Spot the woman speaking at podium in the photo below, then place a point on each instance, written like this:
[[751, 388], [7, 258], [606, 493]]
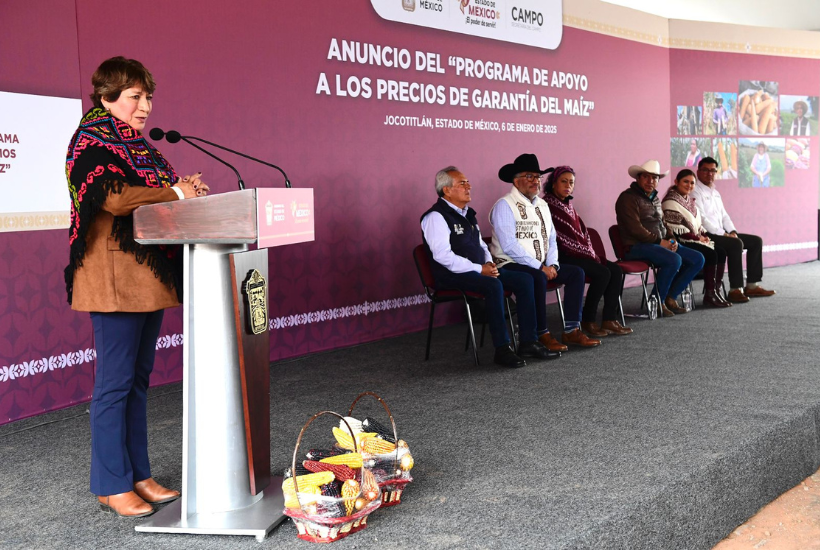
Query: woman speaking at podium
[[112, 170]]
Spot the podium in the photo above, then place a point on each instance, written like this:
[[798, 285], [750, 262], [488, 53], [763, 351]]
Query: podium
[[227, 487]]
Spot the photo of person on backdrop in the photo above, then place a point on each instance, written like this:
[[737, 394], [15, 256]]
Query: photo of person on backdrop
[[761, 166], [694, 155], [718, 113], [689, 120], [758, 111], [761, 162], [688, 151], [798, 115]]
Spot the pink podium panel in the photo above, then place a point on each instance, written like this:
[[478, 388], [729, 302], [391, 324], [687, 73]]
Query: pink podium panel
[[284, 216]]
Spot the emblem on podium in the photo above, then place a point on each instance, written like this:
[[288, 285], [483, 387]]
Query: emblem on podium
[[256, 292]]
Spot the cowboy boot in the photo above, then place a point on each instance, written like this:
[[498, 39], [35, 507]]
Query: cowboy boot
[[721, 268], [709, 282]]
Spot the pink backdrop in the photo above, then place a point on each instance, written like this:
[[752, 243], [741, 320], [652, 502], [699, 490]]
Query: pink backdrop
[[246, 76]]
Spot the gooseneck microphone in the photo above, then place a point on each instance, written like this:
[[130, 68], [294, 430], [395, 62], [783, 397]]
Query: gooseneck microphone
[[173, 136]]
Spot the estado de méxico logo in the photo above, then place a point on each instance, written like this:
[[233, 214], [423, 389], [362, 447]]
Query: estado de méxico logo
[[483, 9]]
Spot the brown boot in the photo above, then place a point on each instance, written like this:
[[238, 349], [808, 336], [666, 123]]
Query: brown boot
[[153, 492], [616, 328], [551, 343], [711, 296], [126, 505], [578, 338], [594, 330]]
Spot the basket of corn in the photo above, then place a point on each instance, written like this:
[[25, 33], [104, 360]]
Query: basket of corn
[[384, 454], [330, 494]]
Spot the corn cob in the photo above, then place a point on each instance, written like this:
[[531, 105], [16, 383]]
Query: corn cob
[[332, 508], [370, 487], [345, 441], [342, 472], [306, 496], [355, 424], [319, 454], [307, 481], [373, 426], [406, 463], [350, 490], [377, 446], [300, 471], [354, 460]]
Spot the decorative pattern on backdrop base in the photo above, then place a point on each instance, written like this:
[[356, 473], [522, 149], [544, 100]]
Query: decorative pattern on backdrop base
[[70, 359]]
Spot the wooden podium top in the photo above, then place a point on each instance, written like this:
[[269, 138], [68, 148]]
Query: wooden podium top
[[225, 218]]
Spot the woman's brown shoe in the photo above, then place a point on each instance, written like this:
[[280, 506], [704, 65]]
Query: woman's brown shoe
[[126, 505], [153, 492], [672, 305], [594, 330], [616, 328]]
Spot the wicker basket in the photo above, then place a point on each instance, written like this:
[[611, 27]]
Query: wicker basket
[[312, 520], [394, 482]]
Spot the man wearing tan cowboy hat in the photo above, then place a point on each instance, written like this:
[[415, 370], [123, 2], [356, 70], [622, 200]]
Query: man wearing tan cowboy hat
[[524, 241], [640, 221]]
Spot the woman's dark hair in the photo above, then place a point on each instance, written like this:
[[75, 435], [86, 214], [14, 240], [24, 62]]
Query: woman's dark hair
[[685, 172], [117, 74]]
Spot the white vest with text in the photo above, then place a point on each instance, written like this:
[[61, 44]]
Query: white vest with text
[[531, 230]]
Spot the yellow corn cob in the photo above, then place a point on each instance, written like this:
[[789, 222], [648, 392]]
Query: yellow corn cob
[[377, 446], [350, 490], [308, 495], [354, 460], [346, 442], [307, 481], [370, 487]]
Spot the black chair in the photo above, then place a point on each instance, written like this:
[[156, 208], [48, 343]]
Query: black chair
[[443, 295]]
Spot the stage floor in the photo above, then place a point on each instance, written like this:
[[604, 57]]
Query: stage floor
[[665, 439]]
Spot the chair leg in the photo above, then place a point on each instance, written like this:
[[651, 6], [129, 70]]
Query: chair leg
[[430, 330], [472, 333], [620, 301], [512, 328], [560, 307]]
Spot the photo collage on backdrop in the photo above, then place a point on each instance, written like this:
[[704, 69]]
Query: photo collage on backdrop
[[756, 134]]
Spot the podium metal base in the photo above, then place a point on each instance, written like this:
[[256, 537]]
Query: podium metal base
[[256, 520]]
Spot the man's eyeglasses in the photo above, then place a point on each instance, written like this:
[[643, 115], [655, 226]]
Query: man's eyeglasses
[[532, 177]]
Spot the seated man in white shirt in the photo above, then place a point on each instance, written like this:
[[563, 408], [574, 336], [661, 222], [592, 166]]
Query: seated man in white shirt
[[722, 231], [524, 241], [461, 260]]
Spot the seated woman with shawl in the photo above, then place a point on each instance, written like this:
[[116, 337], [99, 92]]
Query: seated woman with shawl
[[683, 219]]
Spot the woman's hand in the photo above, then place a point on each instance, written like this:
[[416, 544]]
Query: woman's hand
[[192, 186]]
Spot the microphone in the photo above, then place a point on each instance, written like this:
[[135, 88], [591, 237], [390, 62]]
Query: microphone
[[172, 136]]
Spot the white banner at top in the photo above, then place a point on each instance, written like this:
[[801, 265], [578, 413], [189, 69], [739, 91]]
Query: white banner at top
[[536, 23]]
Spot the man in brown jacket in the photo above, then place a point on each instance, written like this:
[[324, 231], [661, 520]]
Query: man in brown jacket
[[640, 221]]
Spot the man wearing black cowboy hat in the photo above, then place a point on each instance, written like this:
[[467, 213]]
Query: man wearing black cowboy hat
[[524, 241], [461, 260]]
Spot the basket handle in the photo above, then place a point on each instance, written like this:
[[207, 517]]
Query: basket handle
[[389, 414], [299, 442]]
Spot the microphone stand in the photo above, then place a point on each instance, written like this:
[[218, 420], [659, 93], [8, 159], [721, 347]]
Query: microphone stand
[[186, 138], [238, 177]]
